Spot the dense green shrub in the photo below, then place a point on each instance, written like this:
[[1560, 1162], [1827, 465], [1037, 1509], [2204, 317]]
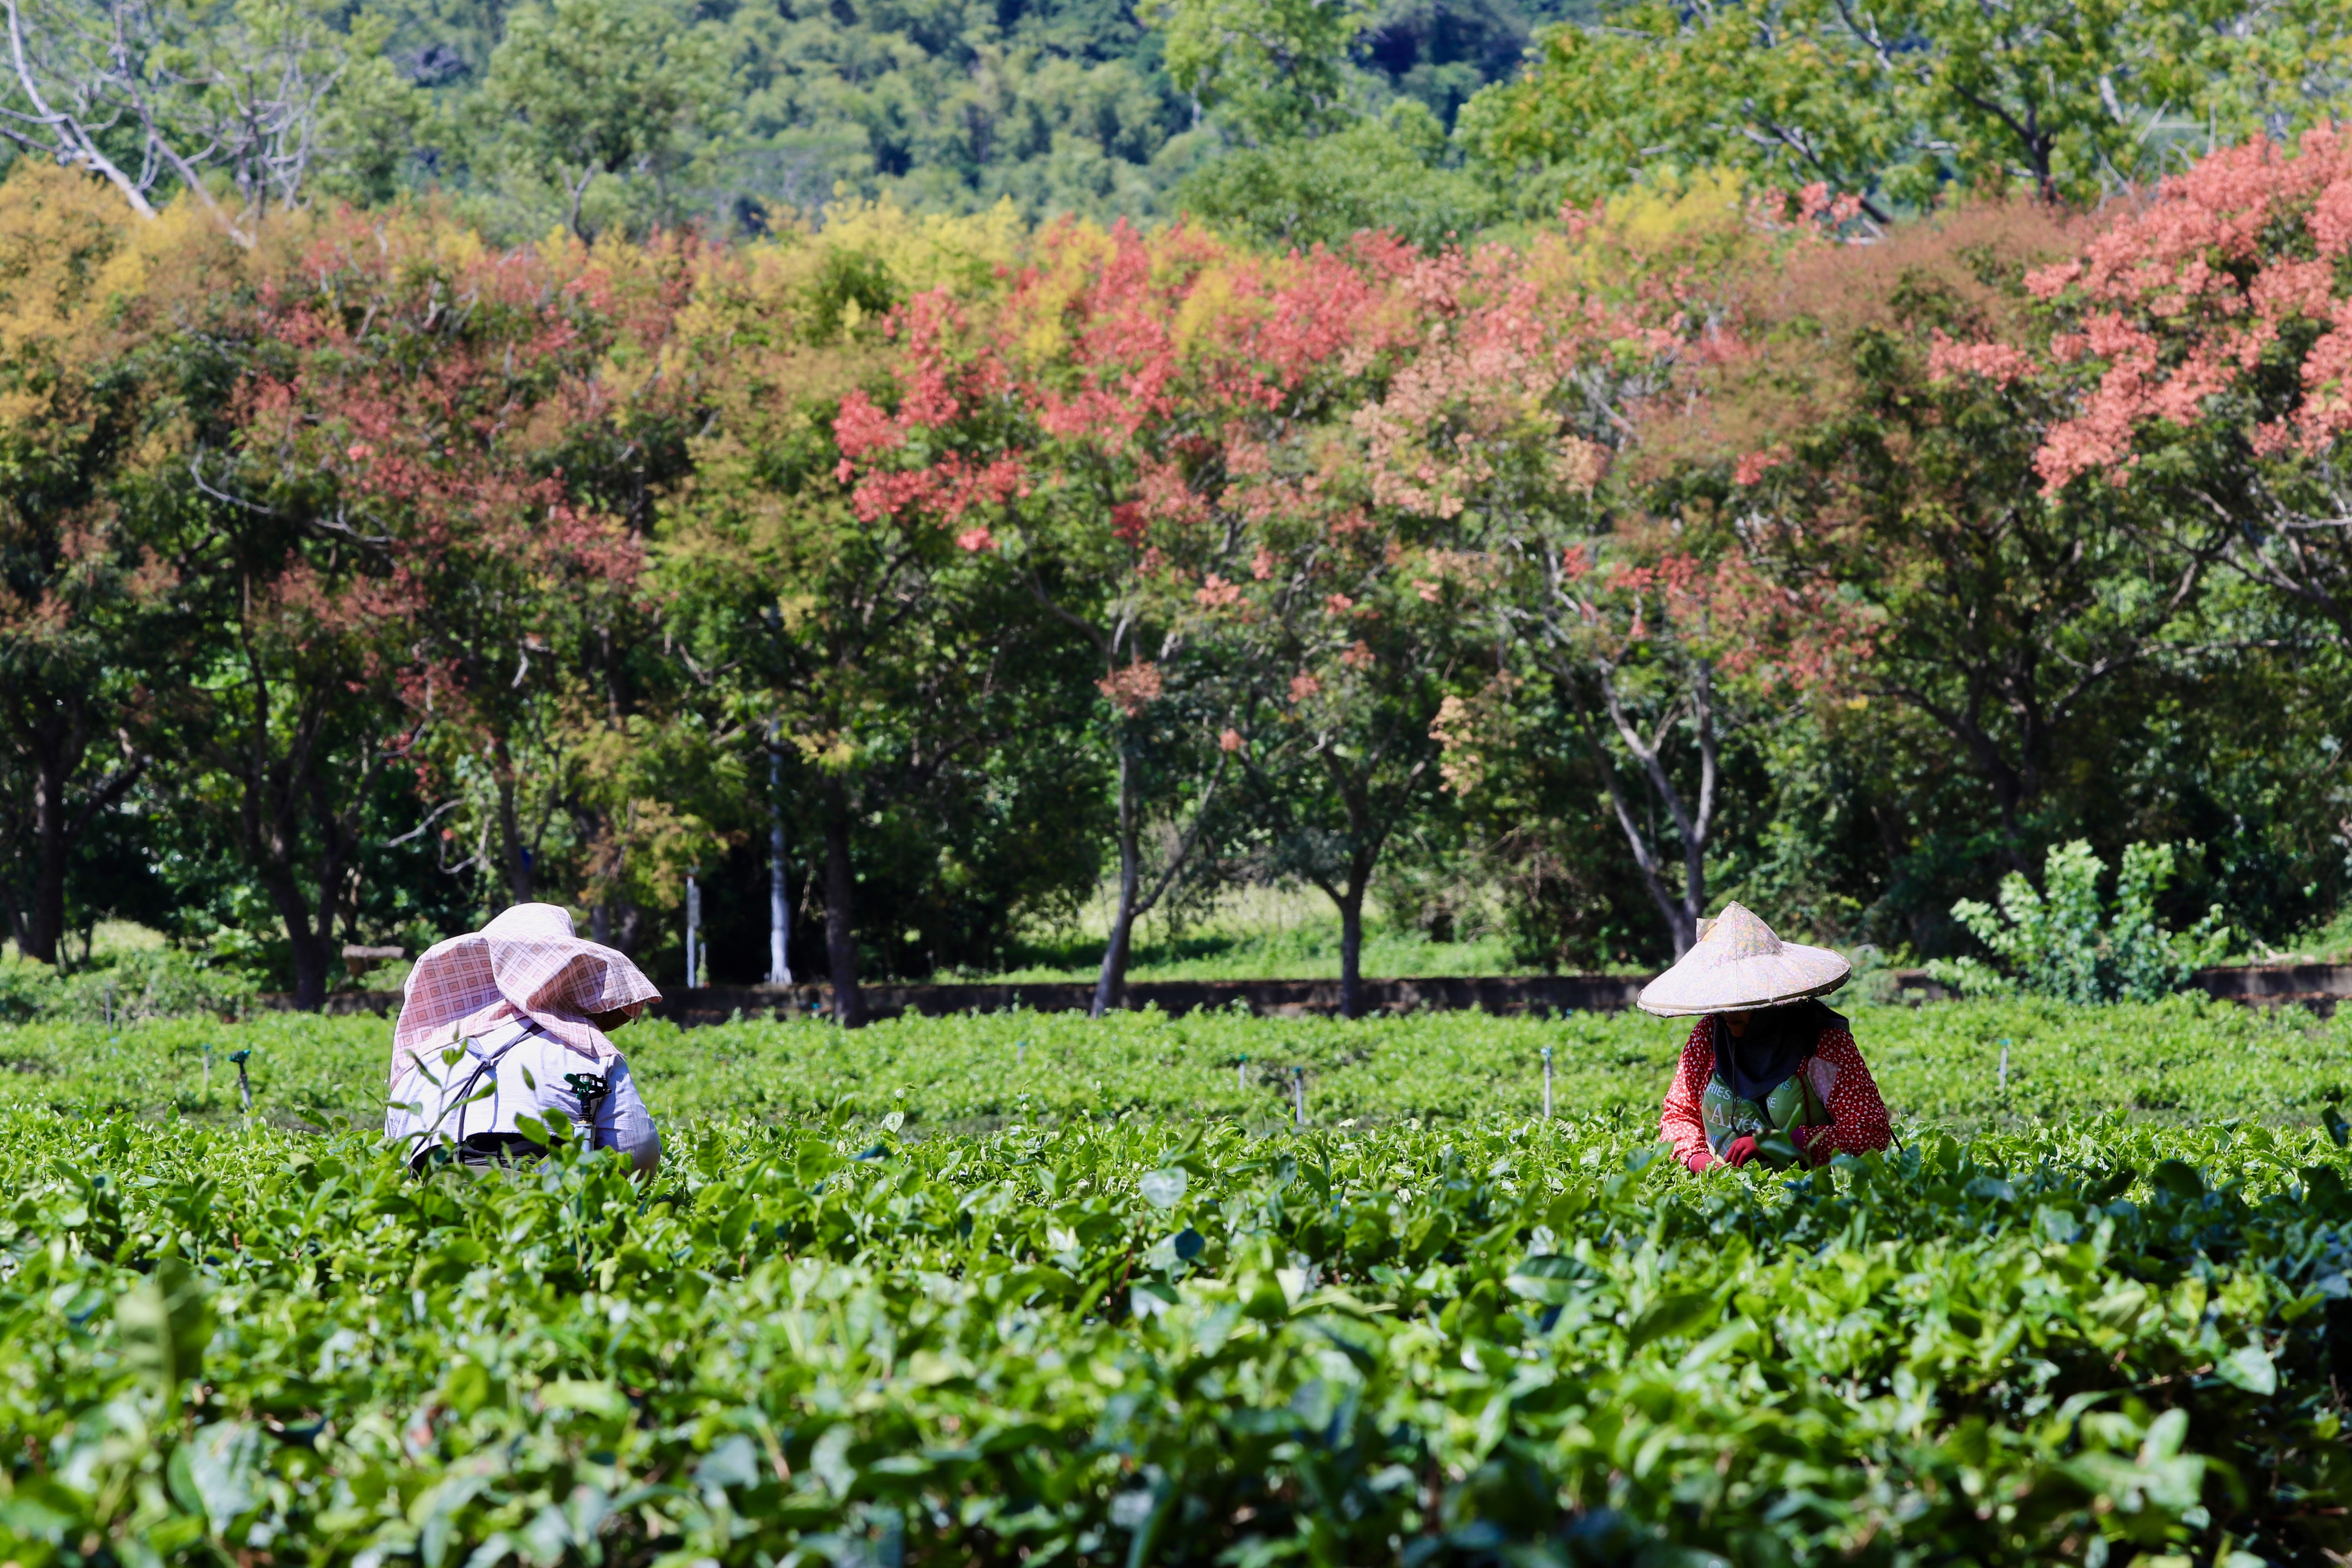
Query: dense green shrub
[[1025, 1287], [155, 982], [1486, 1342], [2185, 1059], [26, 989], [2061, 941], [134, 987]]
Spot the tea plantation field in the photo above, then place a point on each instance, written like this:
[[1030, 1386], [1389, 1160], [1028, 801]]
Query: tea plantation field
[[1028, 1289], [2186, 1059]]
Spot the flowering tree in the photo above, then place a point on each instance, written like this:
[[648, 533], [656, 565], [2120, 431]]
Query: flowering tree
[[1658, 644], [1871, 437], [836, 560], [1318, 476], [97, 630], [525, 463], [1155, 431], [1340, 670], [1503, 426], [1337, 661], [1118, 404], [417, 577], [2203, 346]]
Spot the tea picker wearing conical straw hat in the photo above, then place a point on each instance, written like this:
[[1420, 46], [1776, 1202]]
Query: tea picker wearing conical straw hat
[[1769, 1072], [502, 1029]]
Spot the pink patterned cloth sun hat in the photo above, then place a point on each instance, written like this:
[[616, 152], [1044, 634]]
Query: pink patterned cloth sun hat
[[527, 963], [1737, 964]]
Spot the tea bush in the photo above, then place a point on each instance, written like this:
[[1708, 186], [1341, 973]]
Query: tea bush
[[2187, 1058], [1480, 1343], [1132, 1318], [124, 987]]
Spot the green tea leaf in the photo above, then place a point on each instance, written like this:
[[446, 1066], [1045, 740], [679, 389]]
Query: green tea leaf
[[165, 1322], [1675, 1312], [1164, 1188], [2251, 1368]]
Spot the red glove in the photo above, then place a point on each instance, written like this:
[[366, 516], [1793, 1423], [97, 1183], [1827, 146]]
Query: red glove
[[1741, 1150], [1701, 1161]]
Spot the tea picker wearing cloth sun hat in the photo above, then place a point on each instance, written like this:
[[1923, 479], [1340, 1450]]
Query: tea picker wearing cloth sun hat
[[1768, 1071], [512, 1021]]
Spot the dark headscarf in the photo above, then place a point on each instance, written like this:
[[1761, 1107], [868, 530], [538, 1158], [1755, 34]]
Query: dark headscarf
[[1776, 1043]]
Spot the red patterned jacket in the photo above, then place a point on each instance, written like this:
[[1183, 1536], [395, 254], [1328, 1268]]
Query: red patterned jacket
[[1857, 1115]]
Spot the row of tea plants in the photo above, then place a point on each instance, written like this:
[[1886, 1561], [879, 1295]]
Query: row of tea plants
[[1137, 1340], [1962, 1064]]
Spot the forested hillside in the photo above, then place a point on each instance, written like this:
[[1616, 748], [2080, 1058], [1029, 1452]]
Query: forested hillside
[[1285, 121], [741, 116]]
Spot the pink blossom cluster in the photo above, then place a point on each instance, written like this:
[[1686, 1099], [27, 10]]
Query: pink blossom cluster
[[2176, 309], [2002, 364]]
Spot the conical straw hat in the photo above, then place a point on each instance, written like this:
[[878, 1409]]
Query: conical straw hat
[[1737, 964]]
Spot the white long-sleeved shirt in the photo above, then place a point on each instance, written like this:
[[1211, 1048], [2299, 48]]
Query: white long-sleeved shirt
[[512, 1069]]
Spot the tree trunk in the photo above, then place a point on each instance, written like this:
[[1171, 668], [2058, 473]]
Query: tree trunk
[[1351, 949], [518, 859], [313, 961], [1110, 986], [313, 957], [780, 907], [840, 933], [1693, 821], [280, 791], [1367, 832], [58, 740], [45, 922], [309, 929]]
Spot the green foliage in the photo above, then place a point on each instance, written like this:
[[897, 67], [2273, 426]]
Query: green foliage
[[2060, 941], [26, 988], [2183, 1059], [1174, 1345], [1275, 70], [1390, 173], [581, 90], [238, 105], [155, 982], [687, 406], [1898, 103], [127, 988], [875, 648], [1057, 106], [833, 1326], [371, 122], [1288, 939]]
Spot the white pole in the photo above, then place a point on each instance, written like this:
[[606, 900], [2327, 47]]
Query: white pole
[[693, 932], [779, 965], [1547, 1054]]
